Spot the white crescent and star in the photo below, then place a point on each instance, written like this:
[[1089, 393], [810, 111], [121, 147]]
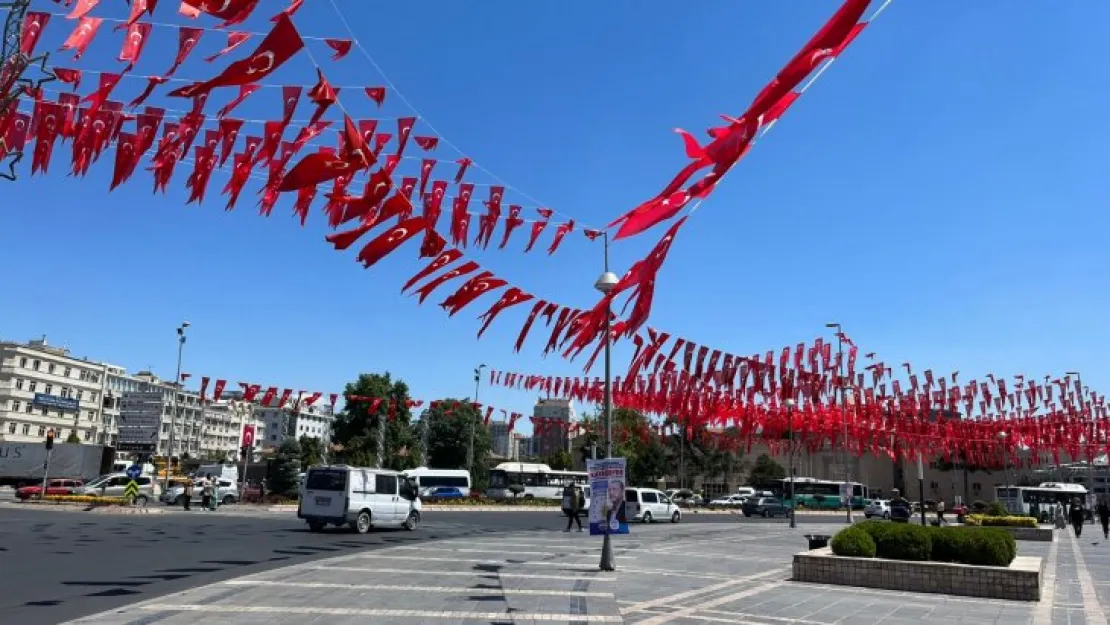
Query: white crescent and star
[[266, 57]]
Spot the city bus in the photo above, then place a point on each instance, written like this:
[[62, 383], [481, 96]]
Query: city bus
[[429, 478], [1039, 500], [539, 480], [814, 493]]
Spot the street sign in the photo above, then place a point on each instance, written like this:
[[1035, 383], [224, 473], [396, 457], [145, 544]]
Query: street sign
[[140, 420], [134, 471], [132, 490]]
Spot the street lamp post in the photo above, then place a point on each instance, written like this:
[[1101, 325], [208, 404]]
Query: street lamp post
[[605, 284], [843, 419], [173, 415], [1091, 460], [473, 424], [790, 428]]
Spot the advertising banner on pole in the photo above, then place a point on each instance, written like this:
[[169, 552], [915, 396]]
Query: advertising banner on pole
[[608, 510]]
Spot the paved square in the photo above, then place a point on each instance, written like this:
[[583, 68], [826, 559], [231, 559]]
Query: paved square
[[733, 572]]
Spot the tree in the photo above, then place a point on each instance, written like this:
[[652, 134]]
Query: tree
[[311, 451], [632, 440], [559, 461], [283, 478], [356, 428], [73, 438], [766, 471], [447, 425]]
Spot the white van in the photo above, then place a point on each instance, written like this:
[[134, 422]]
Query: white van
[[651, 505], [359, 497]]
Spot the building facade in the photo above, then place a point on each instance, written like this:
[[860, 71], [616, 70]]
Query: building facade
[[500, 439], [295, 420], [43, 387], [554, 439]]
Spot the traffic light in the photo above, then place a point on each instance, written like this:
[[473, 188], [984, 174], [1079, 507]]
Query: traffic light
[[50, 439]]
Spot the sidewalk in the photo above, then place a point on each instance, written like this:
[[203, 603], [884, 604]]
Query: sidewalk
[[682, 574]]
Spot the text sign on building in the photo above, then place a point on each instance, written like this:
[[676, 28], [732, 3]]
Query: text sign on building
[[59, 403], [140, 420]]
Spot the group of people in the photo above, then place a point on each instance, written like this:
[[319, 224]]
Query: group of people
[[209, 492], [1076, 514]]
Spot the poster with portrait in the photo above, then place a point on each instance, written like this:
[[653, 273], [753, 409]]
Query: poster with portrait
[[609, 513]]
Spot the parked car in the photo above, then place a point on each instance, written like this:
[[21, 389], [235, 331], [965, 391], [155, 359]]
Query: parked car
[[764, 507], [877, 508], [114, 485], [53, 487], [685, 497], [442, 492], [651, 505], [731, 501]]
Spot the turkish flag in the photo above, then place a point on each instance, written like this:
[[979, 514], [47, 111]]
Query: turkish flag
[[278, 47], [82, 35], [512, 297], [390, 240], [134, 43], [472, 290], [187, 39], [33, 25]]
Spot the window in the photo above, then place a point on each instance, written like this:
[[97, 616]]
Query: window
[[92, 395], [385, 484], [11, 427], [18, 384], [326, 479], [649, 497], [23, 363], [48, 389], [90, 415], [33, 386], [79, 394], [36, 364], [45, 412], [68, 372], [42, 430], [28, 408], [88, 434], [16, 405], [26, 429], [83, 375], [64, 393], [50, 368]]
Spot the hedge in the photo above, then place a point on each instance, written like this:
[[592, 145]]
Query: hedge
[[1000, 521], [983, 546], [854, 542]]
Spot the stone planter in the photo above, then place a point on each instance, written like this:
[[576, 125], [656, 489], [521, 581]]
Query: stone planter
[[1021, 581], [1038, 534]]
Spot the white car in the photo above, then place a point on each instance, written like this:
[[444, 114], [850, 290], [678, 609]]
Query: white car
[[877, 508], [651, 505], [732, 501], [361, 498]]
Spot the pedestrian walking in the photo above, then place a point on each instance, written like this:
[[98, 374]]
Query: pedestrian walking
[[1077, 517], [1103, 511], [572, 506], [187, 493], [1061, 521], [206, 492], [940, 512]]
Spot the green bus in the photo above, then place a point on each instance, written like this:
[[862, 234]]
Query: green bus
[[816, 494]]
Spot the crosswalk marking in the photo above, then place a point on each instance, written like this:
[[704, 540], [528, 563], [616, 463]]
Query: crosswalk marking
[[370, 612], [368, 569], [440, 589]]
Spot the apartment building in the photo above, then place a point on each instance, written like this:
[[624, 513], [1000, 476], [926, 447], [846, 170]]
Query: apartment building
[[44, 387]]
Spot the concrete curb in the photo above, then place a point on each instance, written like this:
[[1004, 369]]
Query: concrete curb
[[448, 508]]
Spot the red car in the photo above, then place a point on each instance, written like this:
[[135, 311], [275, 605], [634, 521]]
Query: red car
[[53, 487]]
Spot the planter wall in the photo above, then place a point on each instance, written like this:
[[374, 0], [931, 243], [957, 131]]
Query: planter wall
[[1020, 581], [1037, 534]]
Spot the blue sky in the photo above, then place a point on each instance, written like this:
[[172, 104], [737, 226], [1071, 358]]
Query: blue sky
[[941, 192]]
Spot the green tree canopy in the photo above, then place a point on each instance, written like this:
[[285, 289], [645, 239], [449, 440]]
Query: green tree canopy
[[283, 476], [646, 458], [766, 471], [356, 427], [449, 423], [559, 461], [311, 451]]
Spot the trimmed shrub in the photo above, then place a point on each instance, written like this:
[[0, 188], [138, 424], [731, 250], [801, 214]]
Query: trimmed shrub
[[979, 506], [1000, 521], [997, 509], [853, 542], [982, 546]]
